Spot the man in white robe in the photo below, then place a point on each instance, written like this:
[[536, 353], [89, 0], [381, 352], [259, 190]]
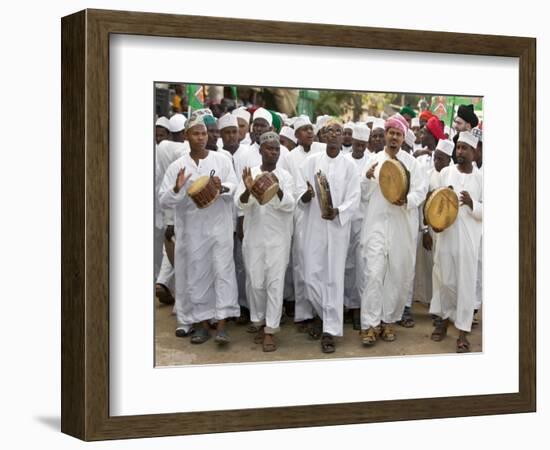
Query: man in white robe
[[206, 288], [426, 243], [229, 132], [377, 136], [243, 119], [266, 244], [388, 240], [355, 269], [457, 250], [478, 160], [348, 138], [305, 134], [166, 153], [326, 237]]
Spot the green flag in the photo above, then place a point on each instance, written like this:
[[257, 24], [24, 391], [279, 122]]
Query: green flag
[[195, 95]]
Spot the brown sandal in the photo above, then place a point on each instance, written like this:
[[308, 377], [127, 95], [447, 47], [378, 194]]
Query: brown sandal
[[269, 347], [440, 331], [462, 345], [259, 338], [163, 294]]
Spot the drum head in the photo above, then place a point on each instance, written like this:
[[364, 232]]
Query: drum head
[[269, 193], [394, 180], [441, 208], [198, 185]]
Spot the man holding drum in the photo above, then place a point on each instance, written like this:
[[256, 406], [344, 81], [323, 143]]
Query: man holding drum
[[325, 233], [389, 233], [456, 253], [206, 288], [266, 197]]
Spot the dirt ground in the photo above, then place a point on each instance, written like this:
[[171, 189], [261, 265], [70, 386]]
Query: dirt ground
[[295, 345]]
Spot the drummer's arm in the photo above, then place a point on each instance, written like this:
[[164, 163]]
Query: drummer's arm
[[286, 201]]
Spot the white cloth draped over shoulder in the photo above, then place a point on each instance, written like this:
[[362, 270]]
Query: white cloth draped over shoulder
[[388, 244], [266, 249], [456, 254], [206, 287], [325, 242]]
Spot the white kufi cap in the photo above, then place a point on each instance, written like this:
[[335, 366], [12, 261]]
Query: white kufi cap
[[262, 113], [468, 138], [361, 132], [177, 123], [227, 120], [446, 146]]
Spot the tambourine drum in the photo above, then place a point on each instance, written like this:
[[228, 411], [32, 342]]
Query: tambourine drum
[[394, 180], [322, 189], [441, 208], [265, 187], [203, 191]]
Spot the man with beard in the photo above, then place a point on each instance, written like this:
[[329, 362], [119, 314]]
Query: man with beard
[[388, 240], [326, 235], [458, 246], [266, 244], [465, 120], [206, 288]]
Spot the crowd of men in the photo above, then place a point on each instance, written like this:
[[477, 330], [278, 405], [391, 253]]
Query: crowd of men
[[363, 259]]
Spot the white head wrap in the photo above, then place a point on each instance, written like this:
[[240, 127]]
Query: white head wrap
[[415, 122]]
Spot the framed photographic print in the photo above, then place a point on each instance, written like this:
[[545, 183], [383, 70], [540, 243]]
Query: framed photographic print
[[129, 366]]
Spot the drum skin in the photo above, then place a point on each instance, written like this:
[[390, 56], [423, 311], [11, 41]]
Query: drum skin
[[394, 180], [441, 208]]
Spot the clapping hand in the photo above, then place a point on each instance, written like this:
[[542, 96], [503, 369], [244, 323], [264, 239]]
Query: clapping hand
[[181, 180]]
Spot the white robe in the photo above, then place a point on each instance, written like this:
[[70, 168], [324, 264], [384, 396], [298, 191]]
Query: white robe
[[266, 249], [388, 245], [206, 287], [165, 154], [325, 242], [479, 281], [292, 164], [424, 258], [354, 275], [456, 254]]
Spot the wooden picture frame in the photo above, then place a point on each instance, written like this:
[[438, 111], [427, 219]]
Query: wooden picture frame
[[85, 224]]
